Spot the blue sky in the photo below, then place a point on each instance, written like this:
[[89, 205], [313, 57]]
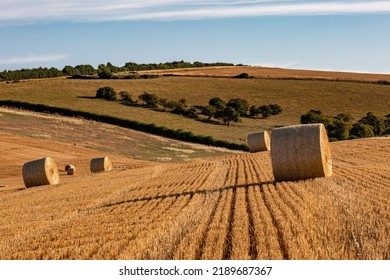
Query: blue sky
[[349, 35]]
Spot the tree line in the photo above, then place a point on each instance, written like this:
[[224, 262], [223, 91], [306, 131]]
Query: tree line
[[227, 112], [342, 127], [103, 70]]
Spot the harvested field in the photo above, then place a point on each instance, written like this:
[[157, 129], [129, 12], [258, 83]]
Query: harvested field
[[268, 72], [226, 207]]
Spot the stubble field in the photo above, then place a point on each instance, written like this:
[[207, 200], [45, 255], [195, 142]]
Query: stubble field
[[226, 207]]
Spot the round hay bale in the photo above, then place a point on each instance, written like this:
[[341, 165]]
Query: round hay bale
[[100, 164], [40, 172], [71, 170], [69, 166], [258, 142], [300, 152]]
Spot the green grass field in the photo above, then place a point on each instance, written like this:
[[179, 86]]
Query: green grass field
[[295, 96]]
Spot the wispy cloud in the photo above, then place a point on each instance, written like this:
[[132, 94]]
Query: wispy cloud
[[18, 11], [34, 58]]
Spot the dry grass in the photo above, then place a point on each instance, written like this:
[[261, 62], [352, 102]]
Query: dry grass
[[220, 208], [295, 96]]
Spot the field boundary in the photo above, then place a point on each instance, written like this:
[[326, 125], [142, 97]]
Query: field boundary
[[179, 134]]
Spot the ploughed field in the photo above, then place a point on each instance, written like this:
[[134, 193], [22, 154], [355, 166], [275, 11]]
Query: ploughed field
[[226, 207]]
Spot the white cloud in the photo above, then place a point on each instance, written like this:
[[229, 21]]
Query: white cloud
[[34, 58], [105, 10]]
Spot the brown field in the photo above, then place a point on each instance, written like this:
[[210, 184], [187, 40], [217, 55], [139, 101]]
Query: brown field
[[225, 207], [268, 72], [295, 96]]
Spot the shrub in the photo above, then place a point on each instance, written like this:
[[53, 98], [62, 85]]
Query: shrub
[[361, 130], [107, 93], [217, 103], [241, 106], [276, 109], [254, 111], [209, 111], [191, 113], [375, 122], [265, 111], [150, 100], [242, 76], [126, 97]]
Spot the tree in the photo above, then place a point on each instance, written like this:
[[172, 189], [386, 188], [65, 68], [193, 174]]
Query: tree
[[149, 99], [240, 105], [375, 122], [191, 113], [228, 115], [209, 111], [315, 116], [70, 71], [217, 103], [339, 129], [361, 130]]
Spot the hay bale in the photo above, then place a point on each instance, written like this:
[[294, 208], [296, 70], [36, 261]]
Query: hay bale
[[300, 152], [71, 170], [258, 142], [100, 164], [40, 172], [69, 166]]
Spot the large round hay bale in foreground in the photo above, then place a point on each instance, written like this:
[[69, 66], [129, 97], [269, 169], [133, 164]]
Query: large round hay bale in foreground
[[40, 172], [300, 152], [258, 142], [101, 164]]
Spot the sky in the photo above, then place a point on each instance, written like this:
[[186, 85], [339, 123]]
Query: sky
[[352, 35]]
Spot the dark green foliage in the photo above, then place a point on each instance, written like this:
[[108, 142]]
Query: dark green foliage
[[150, 100], [240, 105], [191, 113], [179, 109], [265, 111], [218, 103], [209, 111], [383, 82], [183, 102], [242, 76], [276, 109], [86, 69], [149, 128], [107, 93], [126, 98], [387, 121], [338, 129], [375, 122], [254, 111], [35, 73], [344, 117], [70, 71], [314, 116], [361, 130], [227, 115]]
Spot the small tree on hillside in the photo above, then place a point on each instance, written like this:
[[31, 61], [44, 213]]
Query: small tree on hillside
[[209, 111], [241, 106], [375, 122], [265, 111], [228, 115], [217, 103]]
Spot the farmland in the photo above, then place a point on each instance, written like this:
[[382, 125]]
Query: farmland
[[167, 199], [296, 97], [225, 207]]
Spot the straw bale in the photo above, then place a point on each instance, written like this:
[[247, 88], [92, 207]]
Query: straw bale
[[40, 172]]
